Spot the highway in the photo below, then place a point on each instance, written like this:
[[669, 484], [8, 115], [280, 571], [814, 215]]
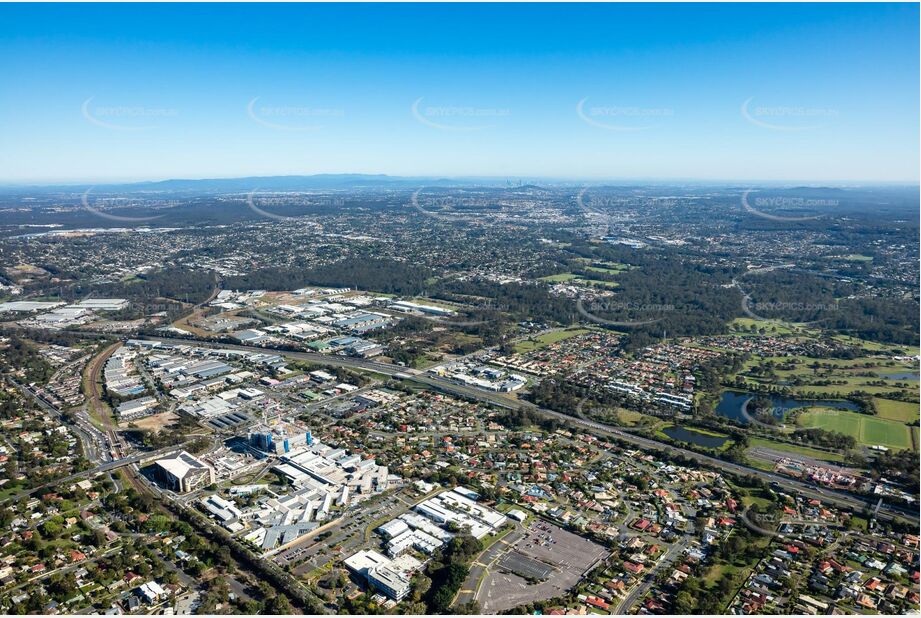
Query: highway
[[838, 498], [100, 469]]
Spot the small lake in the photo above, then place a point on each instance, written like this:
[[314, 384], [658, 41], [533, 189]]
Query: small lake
[[683, 434], [900, 377], [732, 402]]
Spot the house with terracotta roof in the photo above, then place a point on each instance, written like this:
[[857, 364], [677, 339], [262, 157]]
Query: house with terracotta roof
[[632, 567]]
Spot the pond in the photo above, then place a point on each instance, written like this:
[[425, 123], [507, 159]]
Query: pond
[[900, 377], [732, 405], [683, 434]]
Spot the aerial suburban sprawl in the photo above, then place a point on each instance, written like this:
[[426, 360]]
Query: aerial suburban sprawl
[[459, 398], [460, 308]]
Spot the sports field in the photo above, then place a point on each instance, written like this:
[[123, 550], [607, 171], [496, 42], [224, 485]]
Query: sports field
[[901, 411], [609, 271], [867, 430], [559, 278]]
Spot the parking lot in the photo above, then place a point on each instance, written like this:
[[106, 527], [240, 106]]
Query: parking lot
[[550, 557], [354, 531], [521, 565]]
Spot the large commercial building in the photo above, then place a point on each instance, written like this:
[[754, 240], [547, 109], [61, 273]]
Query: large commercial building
[[184, 472], [280, 439], [410, 307], [458, 508], [391, 577], [103, 304], [136, 408], [325, 480]]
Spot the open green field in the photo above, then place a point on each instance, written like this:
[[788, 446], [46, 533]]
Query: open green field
[[874, 346], [535, 343], [867, 430], [901, 411], [559, 278], [772, 327], [778, 327], [631, 418], [845, 373], [610, 269], [599, 283], [563, 277]]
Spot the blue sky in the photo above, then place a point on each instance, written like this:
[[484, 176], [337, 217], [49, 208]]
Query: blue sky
[[800, 92]]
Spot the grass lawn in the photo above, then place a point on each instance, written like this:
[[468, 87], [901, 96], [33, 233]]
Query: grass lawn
[[609, 271], [795, 449], [560, 277], [776, 328], [708, 432], [761, 464], [874, 346], [600, 284], [629, 417], [867, 430], [887, 433], [831, 420], [748, 499], [859, 523], [845, 374], [491, 539], [535, 343], [901, 411]]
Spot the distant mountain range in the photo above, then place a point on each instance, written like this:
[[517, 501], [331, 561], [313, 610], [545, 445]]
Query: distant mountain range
[[324, 182], [351, 182]]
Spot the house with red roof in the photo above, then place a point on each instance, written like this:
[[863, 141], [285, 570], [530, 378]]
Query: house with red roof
[[597, 602], [632, 567]]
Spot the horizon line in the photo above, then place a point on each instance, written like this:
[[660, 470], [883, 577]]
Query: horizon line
[[505, 179]]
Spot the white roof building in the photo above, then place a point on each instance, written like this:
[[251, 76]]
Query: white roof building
[[184, 472]]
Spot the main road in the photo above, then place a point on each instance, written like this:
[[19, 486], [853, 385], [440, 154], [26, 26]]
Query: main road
[[838, 498], [103, 468]]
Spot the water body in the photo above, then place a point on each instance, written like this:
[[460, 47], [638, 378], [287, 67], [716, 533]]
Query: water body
[[732, 403], [683, 434], [901, 377]]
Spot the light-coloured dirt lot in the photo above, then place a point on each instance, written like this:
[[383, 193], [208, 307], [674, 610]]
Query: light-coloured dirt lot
[[154, 422]]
